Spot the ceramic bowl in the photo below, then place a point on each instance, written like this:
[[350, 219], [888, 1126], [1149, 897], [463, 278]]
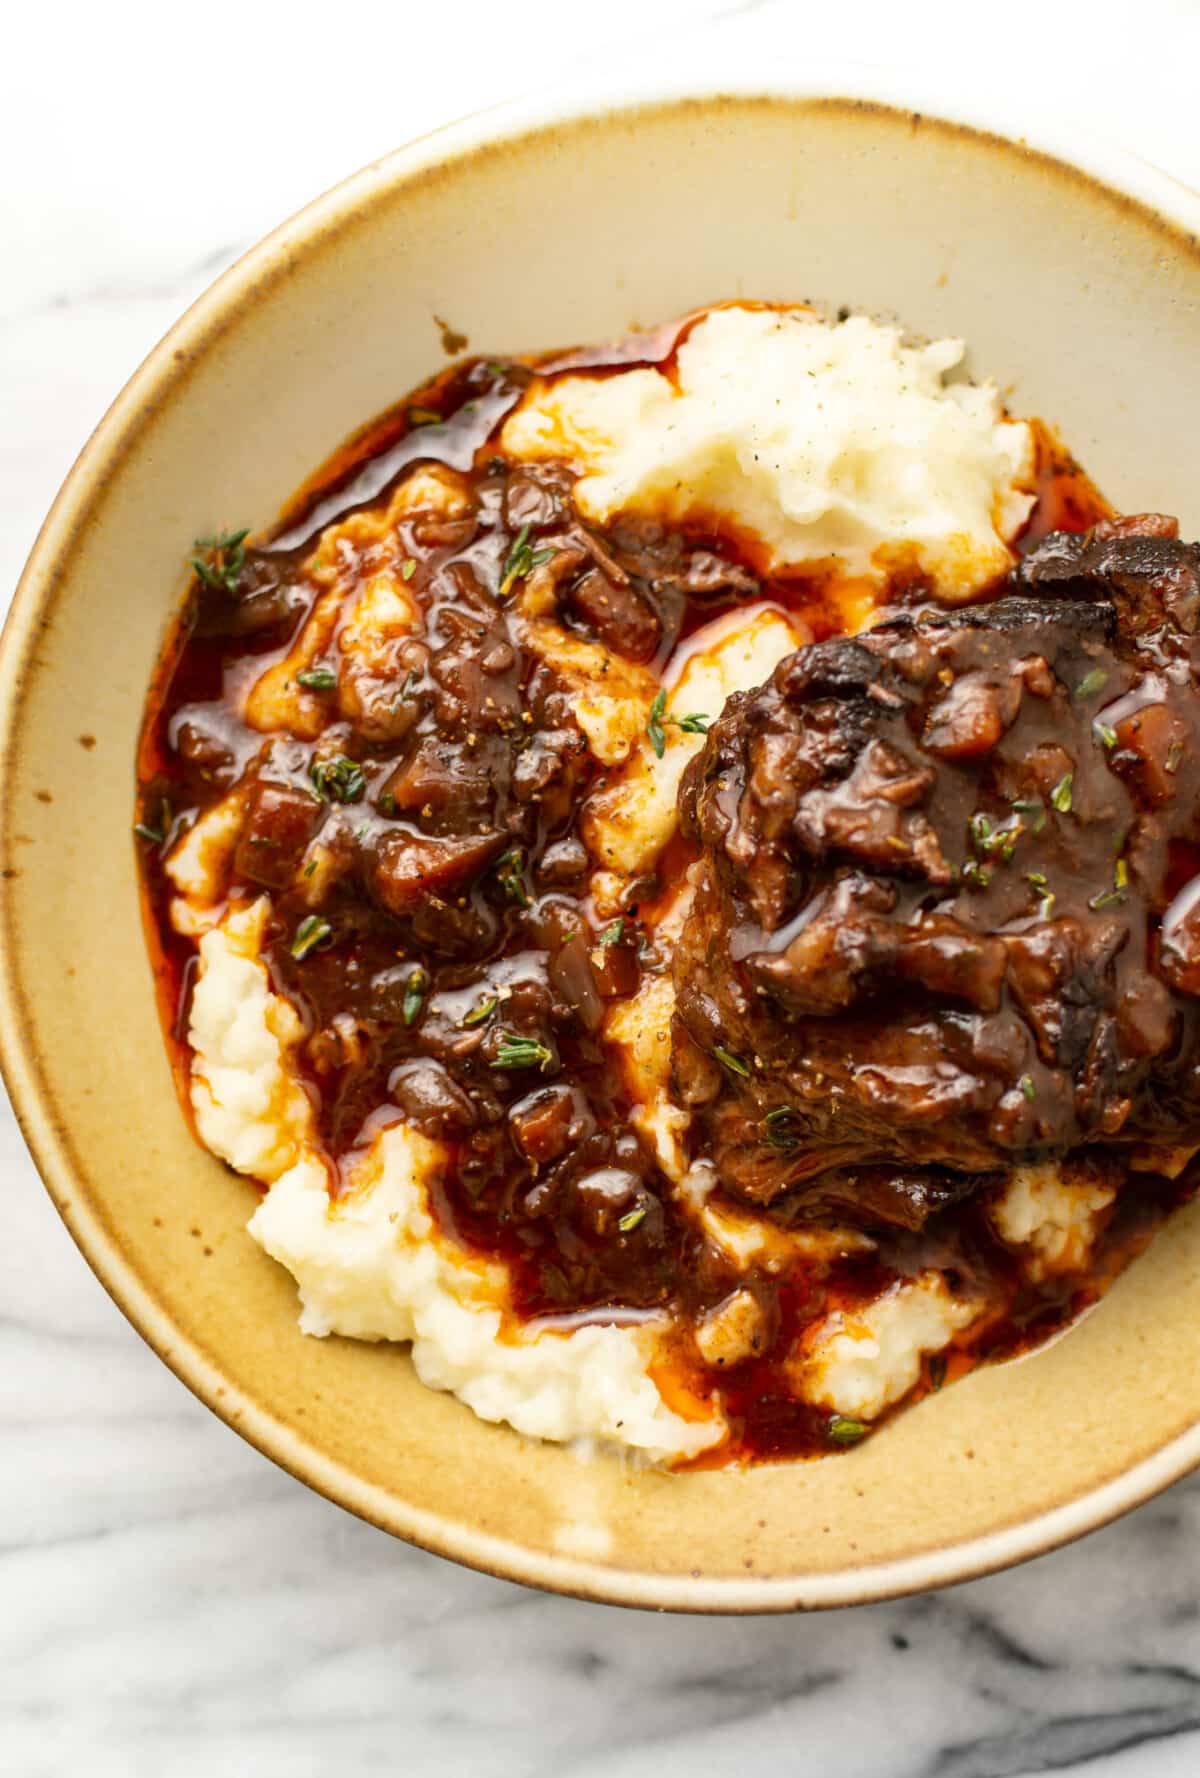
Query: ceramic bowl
[[1074, 274]]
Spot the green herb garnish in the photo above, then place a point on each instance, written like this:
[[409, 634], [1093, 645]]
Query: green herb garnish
[[696, 723], [843, 1431], [778, 1125], [338, 780], [632, 1219], [509, 870], [310, 867], [1039, 881], [612, 935], [424, 416], [311, 932], [522, 1052], [975, 873], [1035, 811], [317, 679], [153, 835], [1027, 1087], [479, 1013], [221, 566], [1120, 889], [730, 1061], [982, 831], [1062, 794], [654, 727], [1106, 736], [521, 560], [408, 569], [415, 989], [1090, 683]]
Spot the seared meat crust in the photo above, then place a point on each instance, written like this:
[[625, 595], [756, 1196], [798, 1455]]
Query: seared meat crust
[[928, 937]]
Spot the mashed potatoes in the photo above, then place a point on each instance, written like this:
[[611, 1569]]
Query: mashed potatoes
[[822, 444]]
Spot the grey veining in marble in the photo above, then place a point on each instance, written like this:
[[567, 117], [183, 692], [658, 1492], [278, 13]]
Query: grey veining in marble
[[172, 1606]]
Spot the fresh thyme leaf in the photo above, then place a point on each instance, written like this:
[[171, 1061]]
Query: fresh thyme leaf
[[632, 1219], [1037, 878], [387, 804], [1090, 683], [1027, 1087], [309, 934], [424, 416], [310, 867], [1062, 794], [522, 1052], [982, 831], [409, 569], [317, 679], [223, 560], [987, 838], [976, 873], [843, 1431], [415, 989], [521, 560], [338, 780], [1106, 736], [1117, 894], [654, 726], [612, 935], [479, 1013], [154, 835], [1035, 811], [779, 1125], [695, 724], [730, 1061], [510, 871]]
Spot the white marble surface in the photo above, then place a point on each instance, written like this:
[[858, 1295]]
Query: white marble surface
[[171, 1604]]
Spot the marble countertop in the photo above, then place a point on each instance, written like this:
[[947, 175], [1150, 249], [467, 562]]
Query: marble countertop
[[173, 1605]]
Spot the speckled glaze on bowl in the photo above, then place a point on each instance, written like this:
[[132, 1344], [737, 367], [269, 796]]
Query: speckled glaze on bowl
[[1075, 275]]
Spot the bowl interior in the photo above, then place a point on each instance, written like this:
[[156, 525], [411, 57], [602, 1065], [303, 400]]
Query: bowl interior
[[1084, 307]]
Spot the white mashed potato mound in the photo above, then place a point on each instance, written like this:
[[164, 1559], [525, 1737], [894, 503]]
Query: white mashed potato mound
[[1055, 1220], [200, 859], [250, 1109], [371, 1264], [828, 443], [857, 1363]]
